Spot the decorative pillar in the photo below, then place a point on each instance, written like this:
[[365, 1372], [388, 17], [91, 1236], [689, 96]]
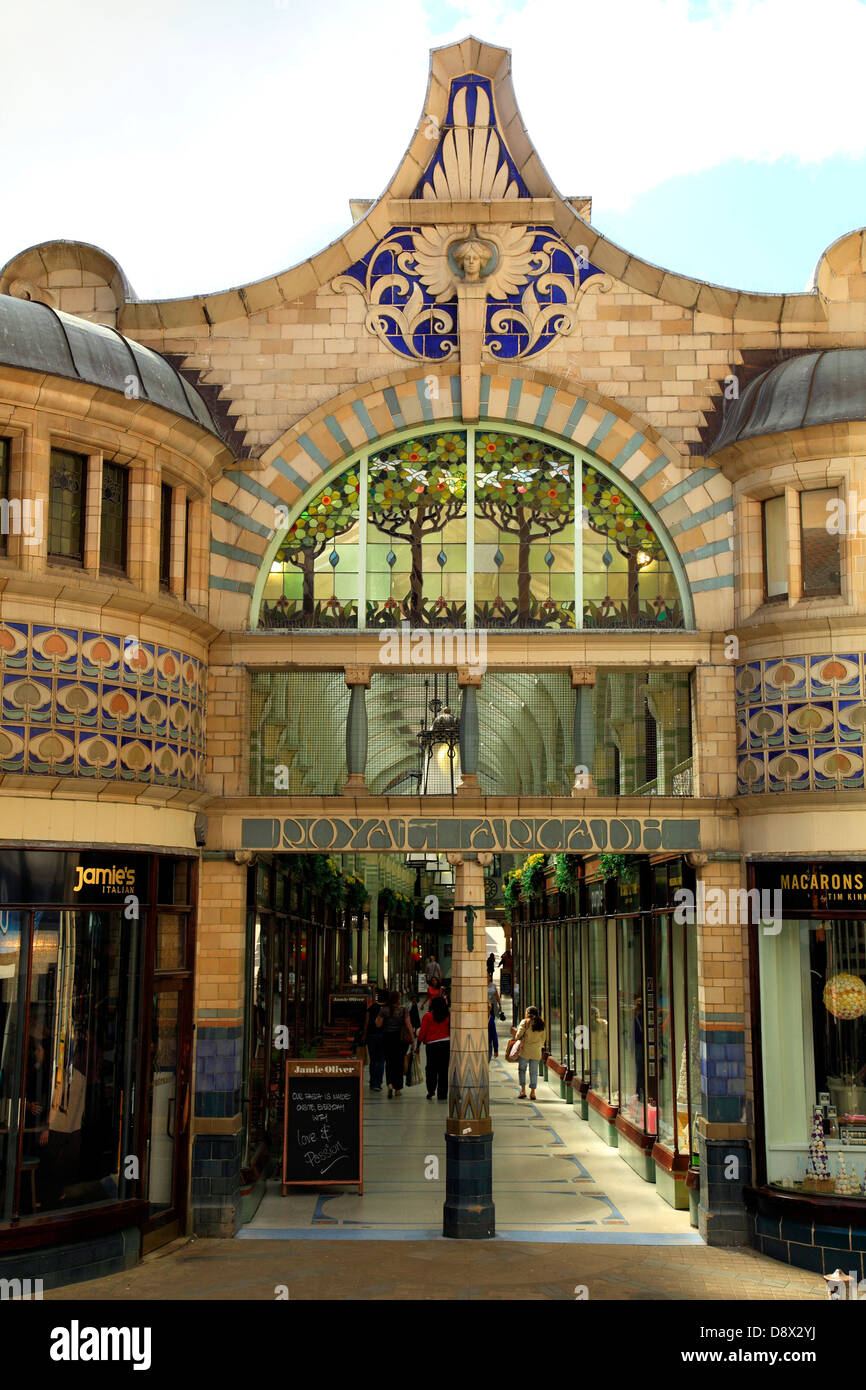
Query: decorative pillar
[[358, 681], [469, 1213], [583, 684], [469, 737], [725, 1123]]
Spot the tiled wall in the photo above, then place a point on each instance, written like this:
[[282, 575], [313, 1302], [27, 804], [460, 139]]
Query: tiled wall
[[83, 704], [801, 724]]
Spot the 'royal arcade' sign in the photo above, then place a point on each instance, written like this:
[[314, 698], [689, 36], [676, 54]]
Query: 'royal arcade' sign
[[500, 834]]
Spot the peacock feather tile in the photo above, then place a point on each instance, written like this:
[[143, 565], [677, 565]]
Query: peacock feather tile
[[79, 702]]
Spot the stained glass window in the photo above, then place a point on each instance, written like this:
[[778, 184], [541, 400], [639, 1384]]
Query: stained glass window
[[66, 506], [314, 578], [112, 534], [524, 533], [4, 492], [628, 581], [416, 541], [473, 528]]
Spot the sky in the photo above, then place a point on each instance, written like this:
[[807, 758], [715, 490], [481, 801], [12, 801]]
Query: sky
[[210, 143]]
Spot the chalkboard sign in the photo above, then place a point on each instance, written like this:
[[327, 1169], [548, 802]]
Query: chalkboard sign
[[350, 1006], [323, 1134]]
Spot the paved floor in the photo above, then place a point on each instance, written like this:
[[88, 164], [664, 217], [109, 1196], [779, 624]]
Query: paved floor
[[553, 1178], [372, 1270], [570, 1216]]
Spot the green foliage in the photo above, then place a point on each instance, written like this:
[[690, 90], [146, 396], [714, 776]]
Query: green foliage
[[532, 876], [511, 891], [564, 866], [612, 865], [356, 893]]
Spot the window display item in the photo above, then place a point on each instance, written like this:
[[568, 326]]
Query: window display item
[[846, 1183], [845, 996], [818, 1177]]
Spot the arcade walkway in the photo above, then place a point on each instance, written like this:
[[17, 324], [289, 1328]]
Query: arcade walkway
[[553, 1179]]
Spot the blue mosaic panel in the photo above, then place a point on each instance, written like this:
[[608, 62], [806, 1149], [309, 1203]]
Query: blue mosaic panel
[[801, 723], [82, 704], [467, 95]]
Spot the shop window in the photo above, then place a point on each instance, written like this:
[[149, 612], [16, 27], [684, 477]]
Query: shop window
[[599, 1030], [774, 513], [80, 1049], [820, 548], [554, 1003], [813, 1031], [66, 507], [4, 494], [165, 537], [632, 1067], [114, 519]]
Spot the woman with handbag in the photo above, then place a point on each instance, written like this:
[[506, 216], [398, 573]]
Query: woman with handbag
[[398, 1036], [528, 1042], [435, 1033], [493, 1010]]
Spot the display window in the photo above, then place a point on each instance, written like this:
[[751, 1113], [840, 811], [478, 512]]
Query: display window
[[631, 1023], [95, 1031], [813, 1008]]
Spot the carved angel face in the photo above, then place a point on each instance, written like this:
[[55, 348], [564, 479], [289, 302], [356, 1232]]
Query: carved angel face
[[472, 256]]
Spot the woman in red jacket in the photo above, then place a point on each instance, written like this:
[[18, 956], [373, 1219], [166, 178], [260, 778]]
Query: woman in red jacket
[[435, 1033]]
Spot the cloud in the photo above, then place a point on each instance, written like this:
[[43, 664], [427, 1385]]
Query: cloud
[[209, 144]]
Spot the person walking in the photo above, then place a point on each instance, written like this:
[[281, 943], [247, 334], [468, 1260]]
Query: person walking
[[506, 972], [493, 1009], [372, 1039], [530, 1033], [433, 971], [435, 1033], [398, 1036], [414, 1015]]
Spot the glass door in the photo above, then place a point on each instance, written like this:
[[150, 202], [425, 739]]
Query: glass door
[[168, 1113], [169, 1066]]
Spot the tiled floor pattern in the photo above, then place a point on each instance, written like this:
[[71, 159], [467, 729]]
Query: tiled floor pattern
[[552, 1176]]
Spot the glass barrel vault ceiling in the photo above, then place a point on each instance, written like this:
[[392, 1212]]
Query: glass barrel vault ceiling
[[641, 722], [471, 528]]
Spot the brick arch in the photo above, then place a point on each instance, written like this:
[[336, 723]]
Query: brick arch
[[694, 505]]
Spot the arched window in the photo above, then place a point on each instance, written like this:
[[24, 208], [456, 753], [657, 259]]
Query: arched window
[[473, 528]]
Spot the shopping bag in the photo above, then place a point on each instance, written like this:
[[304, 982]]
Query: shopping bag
[[415, 1074], [513, 1050]]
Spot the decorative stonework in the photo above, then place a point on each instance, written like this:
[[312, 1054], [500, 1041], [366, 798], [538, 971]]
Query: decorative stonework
[[77, 703], [412, 282], [801, 724], [470, 160]]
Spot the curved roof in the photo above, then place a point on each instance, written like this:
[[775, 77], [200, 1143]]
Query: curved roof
[[818, 388], [37, 338]]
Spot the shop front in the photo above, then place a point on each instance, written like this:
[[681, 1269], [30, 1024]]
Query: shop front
[[616, 977], [808, 1205], [96, 972]]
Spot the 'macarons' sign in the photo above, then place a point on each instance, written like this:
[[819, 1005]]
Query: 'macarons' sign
[[501, 834]]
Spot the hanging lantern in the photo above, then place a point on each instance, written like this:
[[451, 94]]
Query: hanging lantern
[[845, 996]]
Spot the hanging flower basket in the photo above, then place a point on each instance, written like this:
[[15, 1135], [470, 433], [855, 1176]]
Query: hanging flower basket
[[511, 891], [388, 902], [532, 876], [565, 872], [612, 865], [356, 894]]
